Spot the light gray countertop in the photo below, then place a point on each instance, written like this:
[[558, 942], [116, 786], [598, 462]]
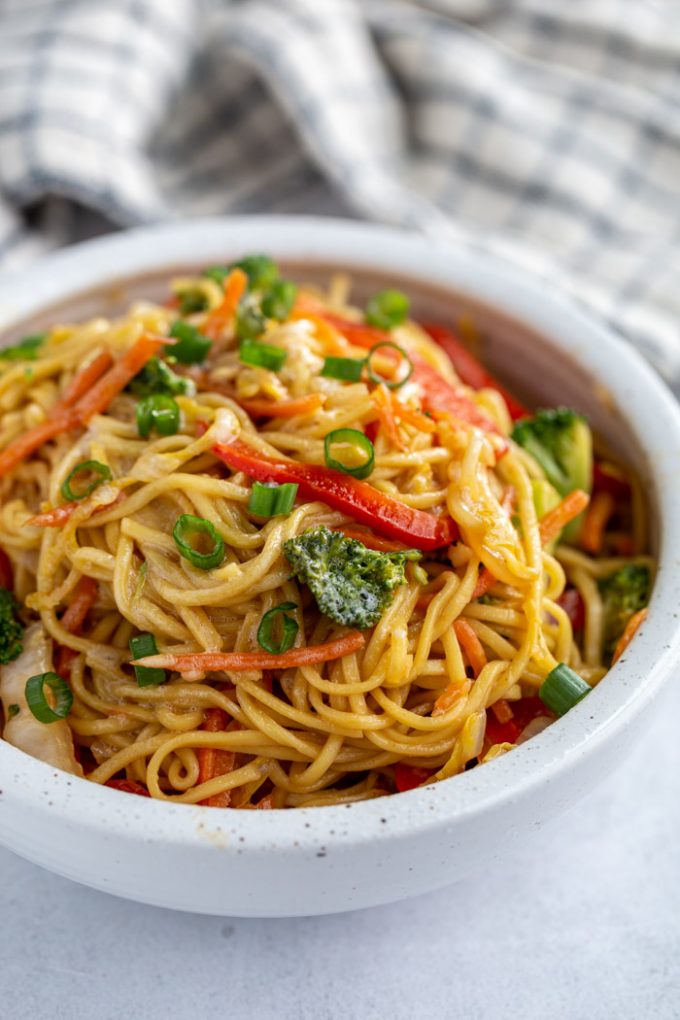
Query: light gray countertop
[[583, 923]]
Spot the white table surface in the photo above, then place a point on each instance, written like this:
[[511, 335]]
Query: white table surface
[[584, 923]]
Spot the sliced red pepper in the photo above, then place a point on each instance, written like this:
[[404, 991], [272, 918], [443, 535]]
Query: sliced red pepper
[[572, 603], [6, 573], [501, 733], [408, 777], [470, 370], [357, 499], [526, 710], [128, 786], [606, 478], [439, 396]]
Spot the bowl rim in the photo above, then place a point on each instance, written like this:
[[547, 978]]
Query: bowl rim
[[652, 413]]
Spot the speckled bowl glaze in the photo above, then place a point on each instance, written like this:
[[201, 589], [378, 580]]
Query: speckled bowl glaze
[[322, 860]]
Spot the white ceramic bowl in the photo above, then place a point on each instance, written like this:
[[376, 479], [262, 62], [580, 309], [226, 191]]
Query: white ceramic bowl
[[322, 860]]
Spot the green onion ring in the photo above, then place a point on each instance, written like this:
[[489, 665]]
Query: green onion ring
[[355, 438], [101, 472], [376, 378], [37, 702], [266, 628], [188, 526]]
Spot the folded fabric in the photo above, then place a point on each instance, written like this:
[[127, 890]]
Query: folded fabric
[[548, 134]]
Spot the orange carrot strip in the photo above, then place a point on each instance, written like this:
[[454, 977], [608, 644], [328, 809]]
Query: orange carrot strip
[[502, 710], [98, 398], [23, 446], [629, 633], [595, 522], [571, 506], [84, 597], [381, 399], [370, 540], [411, 416], [449, 696], [283, 408], [234, 287], [214, 761], [83, 381], [213, 661], [471, 645], [57, 516]]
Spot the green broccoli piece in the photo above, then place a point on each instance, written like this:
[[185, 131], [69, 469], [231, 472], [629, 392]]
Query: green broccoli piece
[[352, 585], [158, 377], [560, 441], [11, 631], [623, 593]]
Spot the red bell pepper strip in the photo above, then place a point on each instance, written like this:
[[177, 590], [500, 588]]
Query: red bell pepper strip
[[128, 786], [408, 777], [471, 371], [357, 499], [6, 573], [572, 604], [607, 478]]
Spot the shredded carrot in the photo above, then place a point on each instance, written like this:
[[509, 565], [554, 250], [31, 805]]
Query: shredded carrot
[[98, 398], [214, 761], [370, 540], [83, 382], [23, 446], [595, 522], [234, 288], [471, 645], [502, 710], [283, 408], [449, 696], [629, 633], [571, 506], [383, 404], [214, 661], [57, 516], [411, 416], [84, 597], [333, 341]]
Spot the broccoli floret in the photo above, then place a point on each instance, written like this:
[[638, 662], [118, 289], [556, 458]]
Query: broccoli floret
[[11, 631], [560, 441], [158, 377], [351, 584], [623, 593]]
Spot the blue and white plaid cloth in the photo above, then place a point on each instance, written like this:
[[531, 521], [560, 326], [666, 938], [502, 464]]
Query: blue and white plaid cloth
[[547, 132]]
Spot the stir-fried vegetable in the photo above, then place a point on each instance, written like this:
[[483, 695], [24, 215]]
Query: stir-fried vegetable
[[624, 593], [352, 585], [158, 377], [359, 500], [560, 441]]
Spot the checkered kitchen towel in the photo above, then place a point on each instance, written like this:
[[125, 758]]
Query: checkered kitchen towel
[[544, 130]]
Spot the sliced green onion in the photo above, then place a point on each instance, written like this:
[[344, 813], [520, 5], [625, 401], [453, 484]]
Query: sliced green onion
[[160, 412], [12, 710], [37, 702], [562, 689], [192, 345], [250, 322], [192, 300], [251, 352], [347, 369], [392, 384], [189, 529], [77, 486], [272, 500], [147, 676], [278, 302], [26, 350], [289, 629], [387, 309], [353, 438], [217, 273], [260, 270]]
